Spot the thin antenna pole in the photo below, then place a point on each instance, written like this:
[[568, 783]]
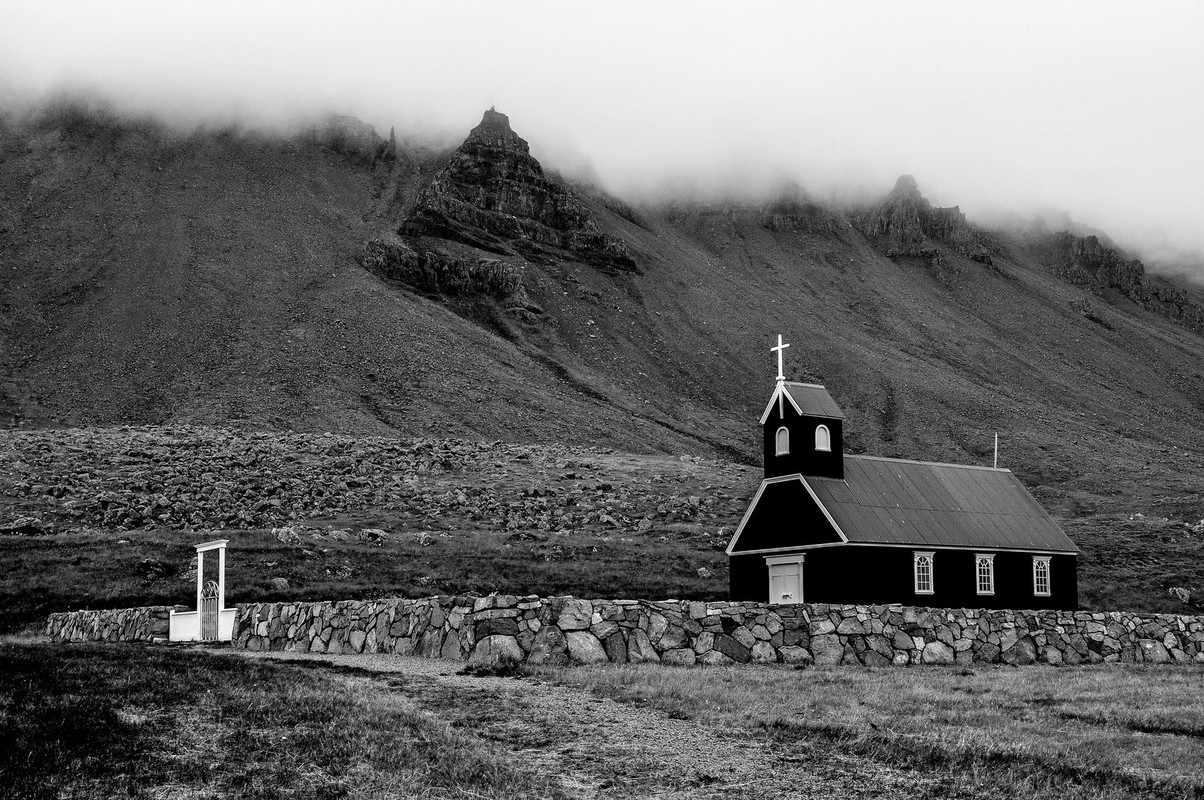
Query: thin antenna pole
[[997, 451]]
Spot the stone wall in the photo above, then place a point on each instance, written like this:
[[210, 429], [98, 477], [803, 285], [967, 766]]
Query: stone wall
[[562, 630], [110, 625]]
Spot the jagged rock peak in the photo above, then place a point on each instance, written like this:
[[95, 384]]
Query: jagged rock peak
[[906, 188], [494, 131], [494, 195], [905, 223]]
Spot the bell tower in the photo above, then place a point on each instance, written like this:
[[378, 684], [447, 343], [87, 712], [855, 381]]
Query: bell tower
[[803, 428]]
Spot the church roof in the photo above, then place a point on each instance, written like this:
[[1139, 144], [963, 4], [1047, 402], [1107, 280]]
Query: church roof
[[808, 399], [892, 501]]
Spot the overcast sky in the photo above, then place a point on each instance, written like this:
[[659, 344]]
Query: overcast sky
[[1091, 107]]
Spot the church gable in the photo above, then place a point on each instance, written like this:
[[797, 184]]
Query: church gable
[[785, 514]]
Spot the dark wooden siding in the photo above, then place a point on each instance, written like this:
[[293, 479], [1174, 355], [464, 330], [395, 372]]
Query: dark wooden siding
[[785, 516], [748, 578], [870, 575]]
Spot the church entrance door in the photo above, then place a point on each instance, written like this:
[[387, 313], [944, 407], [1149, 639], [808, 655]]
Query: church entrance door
[[786, 581]]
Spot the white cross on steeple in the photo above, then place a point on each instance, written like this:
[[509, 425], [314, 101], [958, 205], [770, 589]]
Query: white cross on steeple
[[778, 350]]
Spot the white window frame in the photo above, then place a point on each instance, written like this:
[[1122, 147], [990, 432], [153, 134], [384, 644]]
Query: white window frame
[[827, 442], [916, 557], [797, 558], [990, 573], [777, 441], [1047, 561]]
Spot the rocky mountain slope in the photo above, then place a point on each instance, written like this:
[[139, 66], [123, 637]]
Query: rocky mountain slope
[[342, 282], [906, 224], [1105, 271]]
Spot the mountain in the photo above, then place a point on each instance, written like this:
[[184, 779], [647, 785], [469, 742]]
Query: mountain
[[492, 194], [340, 281], [906, 224]]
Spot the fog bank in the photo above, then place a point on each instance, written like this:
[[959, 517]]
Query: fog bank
[[1087, 107]]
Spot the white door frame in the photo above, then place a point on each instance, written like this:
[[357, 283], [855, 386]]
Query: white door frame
[[777, 561]]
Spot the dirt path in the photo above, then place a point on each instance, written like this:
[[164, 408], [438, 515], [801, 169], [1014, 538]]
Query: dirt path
[[601, 748]]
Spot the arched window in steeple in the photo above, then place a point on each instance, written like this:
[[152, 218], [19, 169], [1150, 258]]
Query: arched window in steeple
[[783, 442], [823, 439]]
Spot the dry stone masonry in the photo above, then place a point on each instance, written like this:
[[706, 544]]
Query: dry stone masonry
[[567, 630], [143, 624]]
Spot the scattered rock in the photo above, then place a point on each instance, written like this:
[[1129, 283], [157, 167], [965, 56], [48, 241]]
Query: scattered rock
[[24, 526], [215, 479]]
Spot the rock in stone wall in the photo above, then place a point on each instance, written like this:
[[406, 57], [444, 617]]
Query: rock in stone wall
[[110, 625], [568, 630]]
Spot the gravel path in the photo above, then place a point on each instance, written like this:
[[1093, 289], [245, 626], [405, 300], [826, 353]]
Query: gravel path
[[602, 748]]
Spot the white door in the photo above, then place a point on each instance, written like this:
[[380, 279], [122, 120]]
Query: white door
[[786, 582]]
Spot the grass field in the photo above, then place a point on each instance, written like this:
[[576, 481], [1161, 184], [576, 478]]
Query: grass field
[[103, 721], [1090, 732], [108, 721]]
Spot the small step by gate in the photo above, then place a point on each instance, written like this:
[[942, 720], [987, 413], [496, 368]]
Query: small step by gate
[[210, 606]]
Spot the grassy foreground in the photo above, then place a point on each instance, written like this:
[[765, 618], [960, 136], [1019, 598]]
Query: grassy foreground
[[109, 721], [1089, 732]]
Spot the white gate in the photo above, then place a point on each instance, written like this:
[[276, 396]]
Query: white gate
[[210, 608]]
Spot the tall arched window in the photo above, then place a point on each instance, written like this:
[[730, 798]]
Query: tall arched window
[[985, 571], [923, 571], [1041, 576], [823, 439], [783, 442]]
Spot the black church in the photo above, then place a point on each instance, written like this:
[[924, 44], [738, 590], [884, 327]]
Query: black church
[[826, 527]]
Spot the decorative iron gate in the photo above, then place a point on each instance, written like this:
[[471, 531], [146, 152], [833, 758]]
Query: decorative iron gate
[[209, 611]]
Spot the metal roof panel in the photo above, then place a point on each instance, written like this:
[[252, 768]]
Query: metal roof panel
[[895, 501], [813, 400]]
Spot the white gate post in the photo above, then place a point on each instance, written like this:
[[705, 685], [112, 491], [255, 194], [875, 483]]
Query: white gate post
[[200, 575], [221, 578]]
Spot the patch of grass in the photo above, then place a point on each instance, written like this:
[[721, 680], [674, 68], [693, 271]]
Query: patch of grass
[[68, 571], [1131, 562], [103, 721], [1099, 732]]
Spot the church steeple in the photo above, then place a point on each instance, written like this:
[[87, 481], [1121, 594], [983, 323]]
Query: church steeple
[[802, 427]]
